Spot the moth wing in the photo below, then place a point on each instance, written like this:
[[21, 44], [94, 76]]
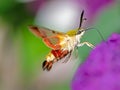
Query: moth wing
[[50, 37]]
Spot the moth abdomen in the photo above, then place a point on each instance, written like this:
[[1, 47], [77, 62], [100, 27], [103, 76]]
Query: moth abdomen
[[47, 65]]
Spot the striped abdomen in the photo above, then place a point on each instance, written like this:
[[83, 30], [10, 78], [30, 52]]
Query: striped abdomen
[[53, 56]]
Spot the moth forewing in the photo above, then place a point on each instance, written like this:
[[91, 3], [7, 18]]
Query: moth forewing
[[35, 31], [50, 37]]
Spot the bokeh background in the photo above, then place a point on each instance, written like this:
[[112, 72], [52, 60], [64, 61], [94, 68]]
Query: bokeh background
[[22, 54]]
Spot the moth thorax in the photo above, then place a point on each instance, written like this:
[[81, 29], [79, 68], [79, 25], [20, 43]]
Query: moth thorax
[[79, 36]]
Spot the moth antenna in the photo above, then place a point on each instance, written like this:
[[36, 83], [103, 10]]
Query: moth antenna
[[80, 25], [81, 19], [97, 31]]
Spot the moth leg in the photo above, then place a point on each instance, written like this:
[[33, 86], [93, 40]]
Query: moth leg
[[67, 58], [76, 52], [87, 43], [49, 44]]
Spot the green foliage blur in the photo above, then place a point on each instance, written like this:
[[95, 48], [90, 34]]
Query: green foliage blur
[[30, 51], [14, 21]]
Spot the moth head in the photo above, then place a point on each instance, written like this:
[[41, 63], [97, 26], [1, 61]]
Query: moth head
[[81, 31]]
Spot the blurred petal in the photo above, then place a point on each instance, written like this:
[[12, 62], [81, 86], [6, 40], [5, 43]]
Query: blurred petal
[[35, 5], [59, 15], [101, 71]]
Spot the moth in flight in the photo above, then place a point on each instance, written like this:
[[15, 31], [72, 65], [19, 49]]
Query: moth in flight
[[62, 44]]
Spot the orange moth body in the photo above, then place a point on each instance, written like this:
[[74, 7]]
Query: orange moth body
[[61, 44]]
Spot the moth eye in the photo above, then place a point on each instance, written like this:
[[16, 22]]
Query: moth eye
[[79, 32]]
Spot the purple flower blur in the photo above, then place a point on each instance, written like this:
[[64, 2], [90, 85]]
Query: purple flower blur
[[35, 5], [101, 71], [94, 7]]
